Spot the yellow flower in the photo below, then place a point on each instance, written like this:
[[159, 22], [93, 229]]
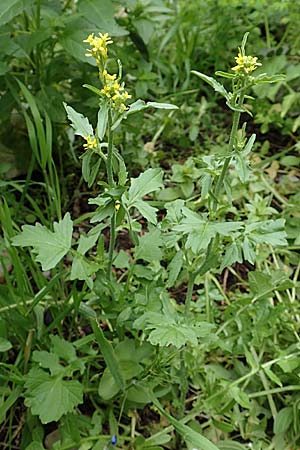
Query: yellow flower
[[98, 46], [245, 64], [106, 91], [108, 77], [91, 142]]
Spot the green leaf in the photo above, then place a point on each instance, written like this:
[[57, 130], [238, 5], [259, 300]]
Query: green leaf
[[80, 123], [147, 211], [108, 355], [147, 182], [63, 348], [50, 397], [273, 377], [283, 420], [149, 247], [35, 445], [90, 166], [47, 360], [242, 167], [267, 232], [230, 445], [49, 246], [5, 345], [191, 437], [233, 254], [218, 87], [102, 120], [173, 334], [83, 270], [12, 8], [100, 13], [174, 268], [161, 105], [6, 405]]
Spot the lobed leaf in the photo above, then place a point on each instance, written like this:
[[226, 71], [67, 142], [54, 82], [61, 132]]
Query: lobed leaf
[[49, 246]]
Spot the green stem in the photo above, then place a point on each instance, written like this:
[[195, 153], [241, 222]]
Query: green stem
[[110, 179], [232, 139], [189, 293], [207, 299], [112, 241]]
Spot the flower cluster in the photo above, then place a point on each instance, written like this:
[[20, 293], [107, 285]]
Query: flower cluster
[[245, 64], [112, 89], [98, 48], [115, 91], [91, 142]]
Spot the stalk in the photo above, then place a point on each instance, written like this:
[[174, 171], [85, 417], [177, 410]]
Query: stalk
[[110, 179], [189, 293], [233, 134]]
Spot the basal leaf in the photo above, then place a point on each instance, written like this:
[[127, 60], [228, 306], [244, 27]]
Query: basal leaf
[[172, 334], [50, 397], [49, 246]]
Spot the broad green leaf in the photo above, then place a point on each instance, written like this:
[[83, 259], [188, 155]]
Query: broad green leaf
[[80, 123], [218, 87], [49, 246], [191, 437], [50, 397], [147, 182]]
